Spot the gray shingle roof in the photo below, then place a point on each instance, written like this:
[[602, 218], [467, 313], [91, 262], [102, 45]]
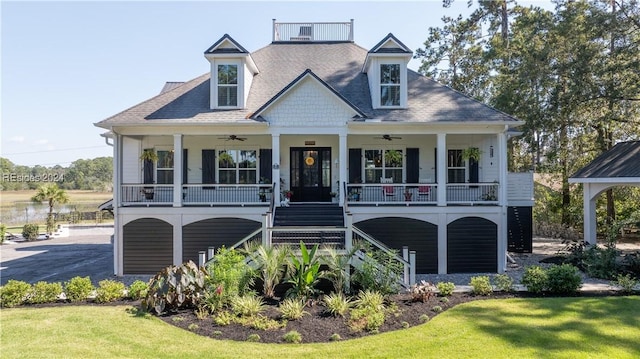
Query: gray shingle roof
[[337, 64], [622, 160]]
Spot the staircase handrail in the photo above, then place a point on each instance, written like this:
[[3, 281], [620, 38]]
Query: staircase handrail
[[378, 244]]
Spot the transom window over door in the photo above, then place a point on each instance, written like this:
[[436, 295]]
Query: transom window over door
[[237, 166], [383, 164], [390, 85], [455, 167], [227, 85], [164, 171]]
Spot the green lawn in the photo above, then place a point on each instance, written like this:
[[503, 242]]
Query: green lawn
[[515, 328]]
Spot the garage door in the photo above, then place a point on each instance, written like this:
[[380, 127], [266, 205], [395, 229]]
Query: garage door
[[214, 232], [147, 246], [472, 246], [419, 236]]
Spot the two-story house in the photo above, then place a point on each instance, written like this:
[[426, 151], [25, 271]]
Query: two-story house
[[270, 143]]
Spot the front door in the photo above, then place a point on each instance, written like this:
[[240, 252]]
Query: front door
[[311, 174]]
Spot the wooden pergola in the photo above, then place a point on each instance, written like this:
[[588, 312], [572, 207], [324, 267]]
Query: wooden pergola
[[619, 166]]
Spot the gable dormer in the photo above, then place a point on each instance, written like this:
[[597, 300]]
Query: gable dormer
[[232, 71], [386, 69]]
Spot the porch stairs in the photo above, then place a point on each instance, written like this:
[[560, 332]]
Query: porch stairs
[[310, 223]]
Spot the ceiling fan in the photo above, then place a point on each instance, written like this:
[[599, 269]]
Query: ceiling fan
[[389, 138], [232, 138]]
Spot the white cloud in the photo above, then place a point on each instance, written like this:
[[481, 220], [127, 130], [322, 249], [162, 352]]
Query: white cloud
[[42, 142], [17, 139]]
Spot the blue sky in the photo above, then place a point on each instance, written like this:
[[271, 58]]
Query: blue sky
[[67, 65]]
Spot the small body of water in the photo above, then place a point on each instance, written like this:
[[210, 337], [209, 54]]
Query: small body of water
[[27, 212]]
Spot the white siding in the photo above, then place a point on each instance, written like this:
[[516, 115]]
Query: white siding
[[309, 104]]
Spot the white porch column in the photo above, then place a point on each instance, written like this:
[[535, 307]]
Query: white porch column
[[177, 170], [117, 185], [275, 165], [342, 175], [176, 222], [503, 230], [442, 243], [442, 169], [589, 204]]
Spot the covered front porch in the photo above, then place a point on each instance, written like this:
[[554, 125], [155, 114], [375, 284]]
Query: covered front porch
[[401, 169]]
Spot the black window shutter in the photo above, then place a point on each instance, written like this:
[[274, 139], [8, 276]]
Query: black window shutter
[[435, 166], [147, 169], [473, 171], [265, 164], [185, 166], [413, 165], [355, 165], [208, 166]]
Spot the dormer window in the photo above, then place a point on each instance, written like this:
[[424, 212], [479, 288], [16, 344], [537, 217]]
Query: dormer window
[[390, 85], [227, 85]]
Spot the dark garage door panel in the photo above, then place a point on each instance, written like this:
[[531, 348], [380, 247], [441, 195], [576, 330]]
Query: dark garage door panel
[[472, 246], [419, 236], [214, 232], [147, 246]]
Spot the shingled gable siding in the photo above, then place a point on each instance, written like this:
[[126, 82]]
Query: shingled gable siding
[[214, 232], [147, 246], [472, 246], [419, 236], [309, 104]]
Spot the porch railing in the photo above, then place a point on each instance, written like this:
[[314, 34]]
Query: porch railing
[[376, 193], [465, 193], [146, 194], [234, 194], [313, 31]]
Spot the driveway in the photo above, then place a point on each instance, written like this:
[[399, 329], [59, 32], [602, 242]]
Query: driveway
[[86, 252]]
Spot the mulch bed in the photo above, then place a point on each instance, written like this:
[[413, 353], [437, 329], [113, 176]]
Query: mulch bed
[[318, 326]]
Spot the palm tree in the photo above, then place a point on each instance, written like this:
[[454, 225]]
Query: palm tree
[[53, 195]]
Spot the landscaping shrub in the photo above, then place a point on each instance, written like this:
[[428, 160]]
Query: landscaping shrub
[[228, 276], [253, 338], [259, 322], [292, 337], [247, 305], [437, 308], [369, 312], [446, 288], [563, 279], [193, 327], [175, 287], [597, 262], [335, 337], [3, 232], [626, 282], [14, 293], [337, 304], [109, 291], [78, 288], [223, 318], [535, 279], [201, 313], [292, 309], [338, 272], [631, 264], [271, 265], [138, 289], [503, 282], [304, 273], [421, 292], [30, 231], [43, 292], [481, 285], [380, 271], [424, 318]]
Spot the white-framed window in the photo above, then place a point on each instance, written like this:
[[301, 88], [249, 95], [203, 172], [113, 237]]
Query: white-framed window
[[164, 167], [390, 80], [456, 169], [383, 163], [236, 166], [227, 85]]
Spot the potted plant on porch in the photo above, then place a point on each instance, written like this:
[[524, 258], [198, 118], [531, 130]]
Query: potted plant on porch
[[334, 197], [407, 195]]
